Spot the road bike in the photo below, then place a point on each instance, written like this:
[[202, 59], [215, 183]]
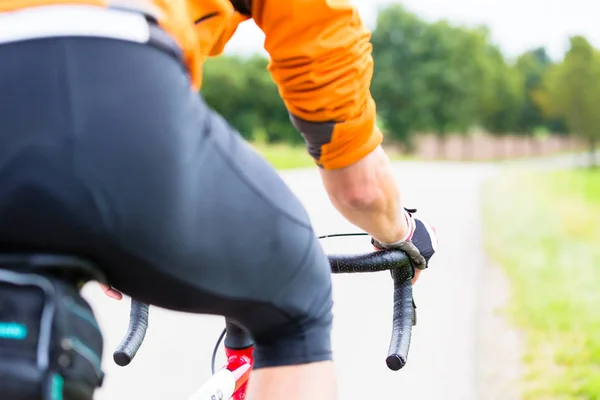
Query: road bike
[[231, 380]]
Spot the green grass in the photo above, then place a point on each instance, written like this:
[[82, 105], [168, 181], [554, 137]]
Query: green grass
[[544, 230], [285, 156]]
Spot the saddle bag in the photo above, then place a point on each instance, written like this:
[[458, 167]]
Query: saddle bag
[[50, 341]]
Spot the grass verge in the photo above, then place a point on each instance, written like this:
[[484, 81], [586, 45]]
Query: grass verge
[[544, 230], [285, 156]]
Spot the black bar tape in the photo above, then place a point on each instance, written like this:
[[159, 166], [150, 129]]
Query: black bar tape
[[372, 262], [404, 311], [402, 323], [138, 323]]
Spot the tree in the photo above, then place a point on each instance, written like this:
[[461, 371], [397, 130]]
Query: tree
[[263, 98], [533, 65], [571, 90], [504, 98], [436, 76], [224, 89], [454, 72], [242, 91], [398, 84]]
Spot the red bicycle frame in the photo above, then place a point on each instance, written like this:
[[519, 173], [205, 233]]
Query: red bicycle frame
[[240, 362]]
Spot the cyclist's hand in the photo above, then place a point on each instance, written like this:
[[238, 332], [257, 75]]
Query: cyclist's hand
[[419, 244], [111, 291], [416, 276]]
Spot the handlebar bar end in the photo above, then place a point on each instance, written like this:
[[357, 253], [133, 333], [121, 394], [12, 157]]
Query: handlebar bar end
[[395, 362], [121, 359]]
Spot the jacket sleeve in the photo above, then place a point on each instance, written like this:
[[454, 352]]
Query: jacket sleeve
[[321, 61], [215, 22]]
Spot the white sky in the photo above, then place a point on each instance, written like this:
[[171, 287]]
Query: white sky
[[516, 25]]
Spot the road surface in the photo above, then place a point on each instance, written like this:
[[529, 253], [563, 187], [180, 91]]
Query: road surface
[[442, 363]]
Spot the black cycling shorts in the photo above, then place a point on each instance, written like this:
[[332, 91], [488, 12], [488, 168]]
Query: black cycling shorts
[[107, 153]]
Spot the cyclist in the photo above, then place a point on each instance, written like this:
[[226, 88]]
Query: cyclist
[[108, 152]]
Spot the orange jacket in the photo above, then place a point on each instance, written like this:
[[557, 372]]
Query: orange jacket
[[320, 60]]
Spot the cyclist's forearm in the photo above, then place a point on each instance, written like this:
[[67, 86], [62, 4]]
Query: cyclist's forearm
[[367, 195]]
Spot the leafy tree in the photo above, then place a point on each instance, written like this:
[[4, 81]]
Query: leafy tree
[[241, 89], [504, 100], [532, 65], [571, 90], [224, 88], [438, 76], [454, 72], [398, 85], [263, 98]]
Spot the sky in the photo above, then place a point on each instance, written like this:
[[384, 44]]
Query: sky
[[515, 25]]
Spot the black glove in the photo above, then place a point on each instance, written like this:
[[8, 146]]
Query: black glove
[[419, 244]]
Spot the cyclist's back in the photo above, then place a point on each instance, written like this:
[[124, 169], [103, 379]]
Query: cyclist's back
[[200, 28], [109, 153]]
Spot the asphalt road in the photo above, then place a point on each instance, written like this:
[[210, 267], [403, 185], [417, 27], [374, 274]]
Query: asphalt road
[[175, 358]]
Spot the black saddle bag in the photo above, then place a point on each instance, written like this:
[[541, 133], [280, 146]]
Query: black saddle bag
[[50, 342]]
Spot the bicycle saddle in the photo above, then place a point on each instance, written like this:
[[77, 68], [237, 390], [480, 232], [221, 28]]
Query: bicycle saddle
[[72, 268]]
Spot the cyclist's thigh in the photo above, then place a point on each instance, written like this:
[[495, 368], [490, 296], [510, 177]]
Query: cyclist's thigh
[[177, 208], [212, 217]]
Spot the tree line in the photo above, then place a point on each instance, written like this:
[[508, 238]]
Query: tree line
[[435, 78]]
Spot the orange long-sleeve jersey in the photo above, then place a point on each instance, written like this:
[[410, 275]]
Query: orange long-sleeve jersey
[[320, 59]]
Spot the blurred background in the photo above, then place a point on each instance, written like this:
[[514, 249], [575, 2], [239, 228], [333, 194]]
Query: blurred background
[[457, 80], [491, 111]]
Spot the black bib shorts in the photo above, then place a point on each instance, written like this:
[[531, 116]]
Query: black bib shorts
[[106, 152]]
